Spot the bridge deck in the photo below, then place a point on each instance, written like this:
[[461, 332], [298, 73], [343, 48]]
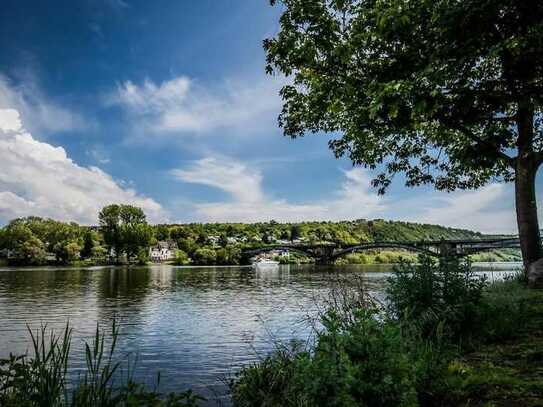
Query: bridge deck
[[332, 250]]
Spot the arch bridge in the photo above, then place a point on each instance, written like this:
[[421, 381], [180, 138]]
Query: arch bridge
[[327, 252]]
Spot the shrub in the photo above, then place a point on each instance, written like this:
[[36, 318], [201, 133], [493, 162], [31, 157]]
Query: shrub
[[271, 382], [431, 293], [181, 258], [361, 363], [356, 361], [143, 256], [502, 313]]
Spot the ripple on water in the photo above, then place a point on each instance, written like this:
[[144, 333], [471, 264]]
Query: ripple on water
[[195, 325]]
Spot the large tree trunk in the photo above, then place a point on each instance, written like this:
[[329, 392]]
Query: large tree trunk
[[526, 205], [526, 166]]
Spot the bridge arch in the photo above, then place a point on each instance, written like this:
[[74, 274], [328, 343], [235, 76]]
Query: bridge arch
[[383, 245]]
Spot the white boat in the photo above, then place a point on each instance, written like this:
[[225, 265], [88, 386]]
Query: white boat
[[261, 263]]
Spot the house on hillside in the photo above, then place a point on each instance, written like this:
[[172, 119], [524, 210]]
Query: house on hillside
[[163, 251]]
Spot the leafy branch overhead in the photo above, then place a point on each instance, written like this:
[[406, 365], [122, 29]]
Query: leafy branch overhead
[[437, 90]]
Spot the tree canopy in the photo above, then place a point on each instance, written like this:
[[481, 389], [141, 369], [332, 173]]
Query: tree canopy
[[445, 92], [125, 229]]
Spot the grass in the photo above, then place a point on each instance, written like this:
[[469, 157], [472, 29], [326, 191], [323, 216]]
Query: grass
[[509, 371]]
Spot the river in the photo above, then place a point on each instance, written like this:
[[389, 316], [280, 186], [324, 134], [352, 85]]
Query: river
[[196, 325]]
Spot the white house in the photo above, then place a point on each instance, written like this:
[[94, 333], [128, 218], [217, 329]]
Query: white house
[[162, 251]]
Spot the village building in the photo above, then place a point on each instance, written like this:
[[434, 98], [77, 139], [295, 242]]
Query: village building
[[163, 251]]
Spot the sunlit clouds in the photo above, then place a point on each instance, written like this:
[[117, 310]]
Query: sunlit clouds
[[37, 178], [185, 106]]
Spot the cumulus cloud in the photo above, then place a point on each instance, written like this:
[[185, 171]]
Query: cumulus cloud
[[37, 178], [476, 210], [250, 203], [488, 209], [182, 105], [39, 114]]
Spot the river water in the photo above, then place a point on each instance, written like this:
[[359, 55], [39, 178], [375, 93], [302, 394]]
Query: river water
[[196, 325]]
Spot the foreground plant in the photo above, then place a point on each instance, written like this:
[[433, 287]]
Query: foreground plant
[[400, 353], [42, 379]]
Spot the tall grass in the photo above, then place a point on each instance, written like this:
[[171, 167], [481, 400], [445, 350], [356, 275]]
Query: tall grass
[[42, 378]]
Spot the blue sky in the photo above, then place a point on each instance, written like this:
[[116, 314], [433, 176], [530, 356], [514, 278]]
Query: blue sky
[[166, 105]]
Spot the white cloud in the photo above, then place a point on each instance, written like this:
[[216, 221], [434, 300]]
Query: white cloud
[[38, 114], [474, 210], [488, 209], [37, 178], [182, 105], [250, 203], [232, 177]]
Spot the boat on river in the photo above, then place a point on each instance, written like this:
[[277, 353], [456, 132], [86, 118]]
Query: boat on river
[[265, 263]]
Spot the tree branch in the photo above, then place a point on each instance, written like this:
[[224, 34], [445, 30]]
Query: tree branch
[[499, 154]]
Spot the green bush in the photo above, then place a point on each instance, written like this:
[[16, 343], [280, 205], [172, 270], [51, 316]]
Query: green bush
[[356, 361], [502, 313], [181, 258], [431, 293], [143, 256]]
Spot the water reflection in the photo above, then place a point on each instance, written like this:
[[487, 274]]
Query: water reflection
[[193, 324]]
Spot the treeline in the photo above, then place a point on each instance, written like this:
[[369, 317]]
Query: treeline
[[124, 235]]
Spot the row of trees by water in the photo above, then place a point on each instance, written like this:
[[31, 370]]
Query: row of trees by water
[[123, 234]]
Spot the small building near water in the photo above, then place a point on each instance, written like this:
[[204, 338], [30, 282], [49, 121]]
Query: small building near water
[[163, 251]]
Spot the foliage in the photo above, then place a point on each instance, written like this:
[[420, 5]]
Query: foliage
[[204, 256], [125, 229], [67, 251], [228, 255], [355, 363], [181, 258], [398, 80], [41, 380], [431, 293], [92, 245], [445, 92], [143, 256], [504, 309]]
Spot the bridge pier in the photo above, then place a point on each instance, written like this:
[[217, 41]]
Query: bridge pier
[[323, 254], [324, 261]]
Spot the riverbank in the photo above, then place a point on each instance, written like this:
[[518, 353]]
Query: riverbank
[[443, 340]]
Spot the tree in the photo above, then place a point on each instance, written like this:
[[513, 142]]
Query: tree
[[204, 256], [223, 240], [32, 251], [228, 255], [162, 232], [125, 229], [295, 232], [143, 256], [181, 258], [448, 93], [67, 251], [25, 246], [90, 240]]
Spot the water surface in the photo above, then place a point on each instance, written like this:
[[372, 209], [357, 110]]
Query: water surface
[[196, 325]]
